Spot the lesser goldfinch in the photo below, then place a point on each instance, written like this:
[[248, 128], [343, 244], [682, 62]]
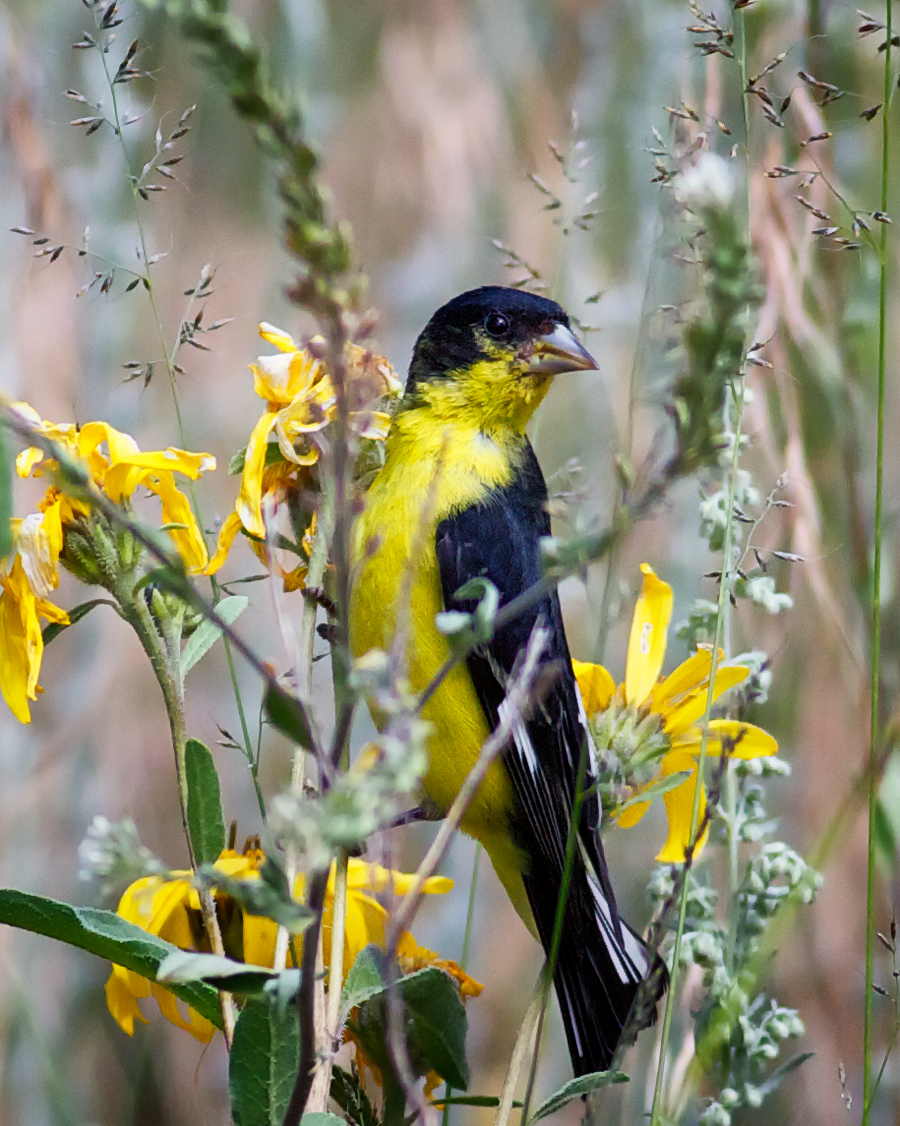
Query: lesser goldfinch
[[461, 495]]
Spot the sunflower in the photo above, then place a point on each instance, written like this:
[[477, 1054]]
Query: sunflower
[[653, 725]]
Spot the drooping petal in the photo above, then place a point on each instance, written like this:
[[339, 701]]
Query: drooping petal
[[176, 509], [21, 643], [596, 685], [249, 502], [680, 807], [647, 642], [199, 1027], [121, 1002], [739, 740], [230, 528], [692, 707]]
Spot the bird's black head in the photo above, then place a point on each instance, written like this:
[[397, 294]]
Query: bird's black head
[[495, 331]]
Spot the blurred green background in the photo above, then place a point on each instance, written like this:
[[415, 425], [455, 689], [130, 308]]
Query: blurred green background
[[431, 114]]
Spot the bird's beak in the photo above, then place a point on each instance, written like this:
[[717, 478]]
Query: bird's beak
[[559, 351]]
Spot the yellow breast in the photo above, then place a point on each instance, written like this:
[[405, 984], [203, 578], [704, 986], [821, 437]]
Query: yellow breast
[[430, 472]]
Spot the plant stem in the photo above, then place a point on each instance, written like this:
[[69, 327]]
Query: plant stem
[[876, 581], [724, 592]]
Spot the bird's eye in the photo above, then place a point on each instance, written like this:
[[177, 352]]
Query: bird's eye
[[495, 324]]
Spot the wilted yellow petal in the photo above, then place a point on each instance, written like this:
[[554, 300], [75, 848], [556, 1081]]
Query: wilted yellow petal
[[596, 685], [647, 643], [680, 807], [21, 643], [227, 532], [740, 740], [176, 509], [249, 502], [198, 1026]]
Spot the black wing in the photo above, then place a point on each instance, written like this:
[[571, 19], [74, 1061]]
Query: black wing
[[601, 963]]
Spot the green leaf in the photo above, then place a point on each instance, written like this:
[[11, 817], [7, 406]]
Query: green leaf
[[6, 504], [574, 1089], [436, 1024], [364, 979], [322, 1118], [206, 824], [208, 633], [53, 629], [288, 716], [183, 966], [263, 1064], [267, 896], [108, 936], [471, 1100], [655, 790]]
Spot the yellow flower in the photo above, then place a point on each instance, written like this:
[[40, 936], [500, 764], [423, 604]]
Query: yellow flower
[[31, 573], [118, 472], [300, 401], [665, 715], [21, 643], [170, 908]]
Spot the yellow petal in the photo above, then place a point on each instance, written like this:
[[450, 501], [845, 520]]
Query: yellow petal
[[692, 707], [227, 532], [740, 740], [632, 814], [21, 643], [647, 643], [122, 1004], [259, 940], [249, 502], [278, 337], [370, 424], [597, 686], [690, 676], [176, 509], [680, 807], [198, 1026]]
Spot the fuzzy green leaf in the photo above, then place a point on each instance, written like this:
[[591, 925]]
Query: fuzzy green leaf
[[364, 979], [574, 1089], [436, 1024], [108, 936], [263, 1064], [237, 977], [206, 824], [322, 1118], [208, 633]]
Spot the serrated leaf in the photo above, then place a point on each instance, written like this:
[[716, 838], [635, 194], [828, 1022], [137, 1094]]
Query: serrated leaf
[[184, 966], [263, 1064], [287, 715], [6, 482], [206, 824], [208, 633], [108, 936], [574, 1089]]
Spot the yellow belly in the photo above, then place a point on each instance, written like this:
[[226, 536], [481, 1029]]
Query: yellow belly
[[394, 539]]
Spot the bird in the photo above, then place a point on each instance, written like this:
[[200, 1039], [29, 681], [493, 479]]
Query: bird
[[461, 495]]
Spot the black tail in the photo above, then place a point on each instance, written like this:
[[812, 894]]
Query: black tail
[[607, 980]]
